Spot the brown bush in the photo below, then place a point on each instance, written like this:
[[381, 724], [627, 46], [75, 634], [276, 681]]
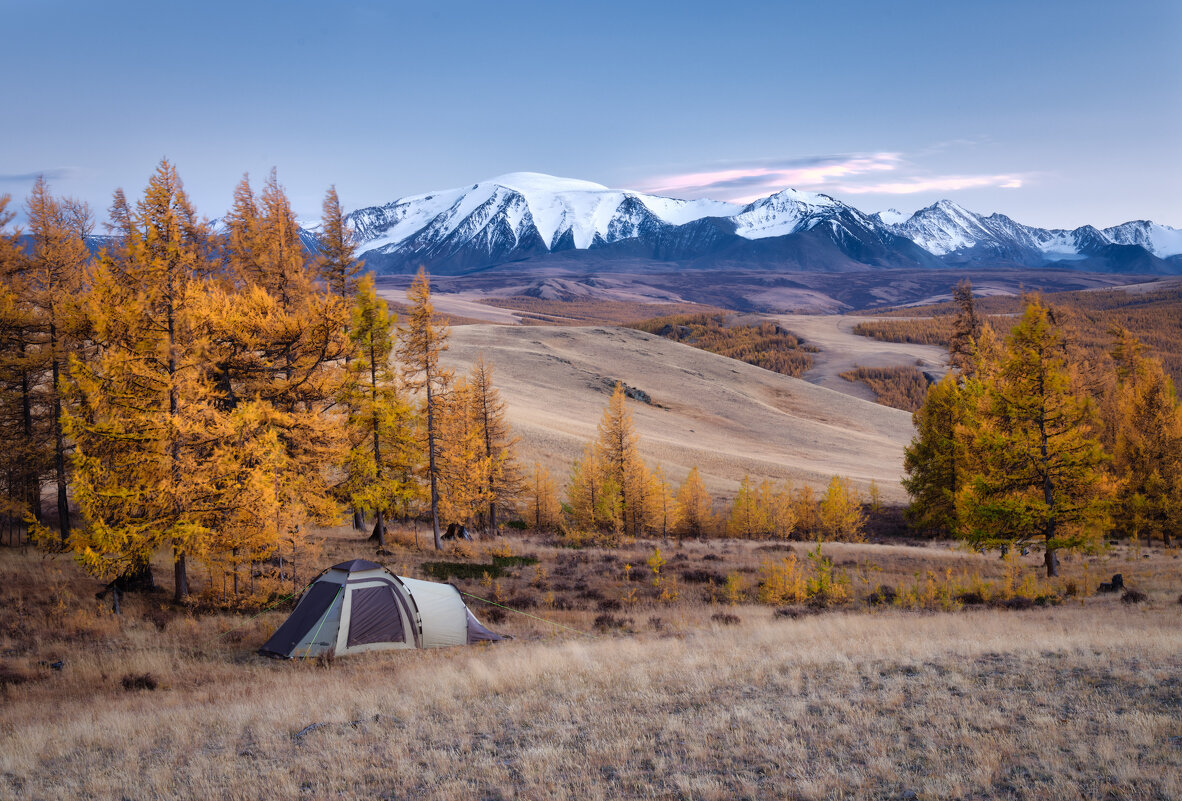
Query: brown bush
[[140, 681], [900, 387], [763, 344]]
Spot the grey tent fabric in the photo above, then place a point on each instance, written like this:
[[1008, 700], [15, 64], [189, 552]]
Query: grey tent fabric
[[478, 633], [357, 565], [304, 621], [375, 617], [358, 606]]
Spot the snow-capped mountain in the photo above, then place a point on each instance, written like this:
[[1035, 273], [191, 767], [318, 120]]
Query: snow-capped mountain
[[530, 216], [948, 230]]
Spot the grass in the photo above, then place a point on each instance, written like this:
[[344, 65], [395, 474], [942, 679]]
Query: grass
[[1079, 700]]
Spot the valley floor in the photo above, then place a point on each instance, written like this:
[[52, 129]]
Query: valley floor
[[704, 701]]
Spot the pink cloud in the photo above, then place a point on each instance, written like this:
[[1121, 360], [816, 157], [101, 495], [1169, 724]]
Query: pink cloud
[[943, 183], [849, 174]]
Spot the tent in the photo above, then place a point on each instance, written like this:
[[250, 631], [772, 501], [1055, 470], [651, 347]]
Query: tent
[[359, 606]]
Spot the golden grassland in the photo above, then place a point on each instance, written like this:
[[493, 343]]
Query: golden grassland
[[682, 698]]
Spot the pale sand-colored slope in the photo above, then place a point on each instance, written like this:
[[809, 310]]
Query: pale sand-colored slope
[[842, 350], [726, 417]]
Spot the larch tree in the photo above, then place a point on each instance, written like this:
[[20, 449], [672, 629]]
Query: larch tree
[[143, 402], [421, 342], [593, 496], [663, 501], [778, 509], [1037, 459], [463, 468], [57, 262], [747, 518], [618, 451], [336, 264], [966, 330], [935, 459], [694, 506], [1148, 448], [840, 512], [23, 458], [503, 479], [543, 508], [281, 338], [383, 457]]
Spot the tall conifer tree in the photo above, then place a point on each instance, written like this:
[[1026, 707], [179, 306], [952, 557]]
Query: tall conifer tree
[[421, 341]]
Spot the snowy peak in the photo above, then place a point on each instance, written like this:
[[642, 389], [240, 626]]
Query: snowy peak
[[525, 215]]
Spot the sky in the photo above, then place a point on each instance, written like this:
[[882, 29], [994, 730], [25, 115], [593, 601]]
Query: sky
[[1058, 114]]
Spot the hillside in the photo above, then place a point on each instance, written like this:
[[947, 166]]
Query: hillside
[[724, 416]]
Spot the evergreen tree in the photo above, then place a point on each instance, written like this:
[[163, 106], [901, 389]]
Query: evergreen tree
[[421, 341], [1036, 456]]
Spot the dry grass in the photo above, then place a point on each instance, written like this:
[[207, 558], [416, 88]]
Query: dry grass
[[1083, 700]]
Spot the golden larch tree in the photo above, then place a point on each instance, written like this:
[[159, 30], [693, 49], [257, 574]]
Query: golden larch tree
[[422, 339], [383, 458]]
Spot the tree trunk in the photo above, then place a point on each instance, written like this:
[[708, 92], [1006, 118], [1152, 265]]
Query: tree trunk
[[180, 578], [358, 519], [431, 467], [63, 503], [379, 529], [1051, 560]]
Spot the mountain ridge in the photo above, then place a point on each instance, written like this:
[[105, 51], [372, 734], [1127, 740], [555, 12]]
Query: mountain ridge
[[536, 218]]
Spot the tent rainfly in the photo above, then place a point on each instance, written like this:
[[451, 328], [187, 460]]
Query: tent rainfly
[[359, 606]]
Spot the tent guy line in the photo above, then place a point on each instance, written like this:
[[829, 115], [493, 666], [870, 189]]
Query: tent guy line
[[527, 614]]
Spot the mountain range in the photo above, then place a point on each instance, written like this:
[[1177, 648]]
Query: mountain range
[[540, 219]]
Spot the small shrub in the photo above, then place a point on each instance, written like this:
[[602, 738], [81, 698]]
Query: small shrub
[[656, 623], [158, 617], [606, 622], [882, 596], [1134, 597], [795, 612], [494, 614], [702, 577], [725, 619], [141, 681], [609, 605]]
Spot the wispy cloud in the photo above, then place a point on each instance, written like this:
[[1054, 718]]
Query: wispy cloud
[[848, 173], [755, 179], [51, 174], [943, 183]]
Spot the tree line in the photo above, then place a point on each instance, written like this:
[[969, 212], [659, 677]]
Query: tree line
[[218, 390], [1032, 439], [611, 494]]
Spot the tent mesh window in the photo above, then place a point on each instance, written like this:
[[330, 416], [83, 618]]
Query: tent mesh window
[[375, 617]]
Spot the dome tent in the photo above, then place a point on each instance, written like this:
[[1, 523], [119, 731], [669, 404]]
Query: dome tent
[[360, 606]]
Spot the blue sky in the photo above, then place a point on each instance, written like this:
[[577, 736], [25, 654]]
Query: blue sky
[[1057, 114]]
